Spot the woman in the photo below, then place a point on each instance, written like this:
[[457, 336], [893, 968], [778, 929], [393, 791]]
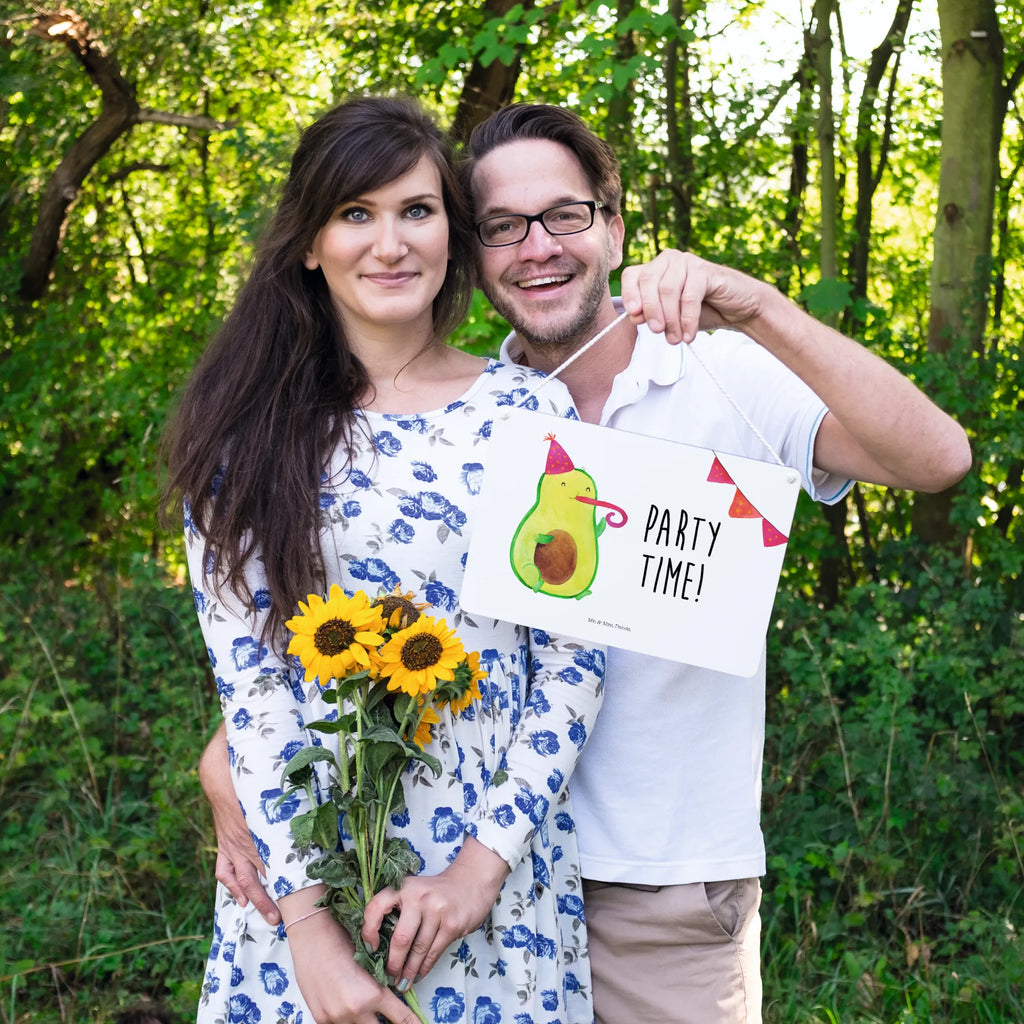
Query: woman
[[329, 435]]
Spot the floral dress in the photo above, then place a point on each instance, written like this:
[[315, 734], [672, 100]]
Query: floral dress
[[401, 516]]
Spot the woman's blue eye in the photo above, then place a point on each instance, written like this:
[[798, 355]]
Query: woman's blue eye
[[419, 211], [355, 214]]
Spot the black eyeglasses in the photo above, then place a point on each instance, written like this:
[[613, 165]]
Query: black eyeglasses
[[564, 219]]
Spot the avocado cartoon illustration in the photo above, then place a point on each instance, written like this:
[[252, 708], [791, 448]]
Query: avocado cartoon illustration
[[554, 549]]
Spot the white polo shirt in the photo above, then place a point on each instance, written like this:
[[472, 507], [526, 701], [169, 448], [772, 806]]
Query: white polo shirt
[[668, 788]]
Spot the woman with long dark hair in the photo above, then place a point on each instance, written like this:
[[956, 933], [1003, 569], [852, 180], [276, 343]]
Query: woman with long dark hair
[[329, 435]]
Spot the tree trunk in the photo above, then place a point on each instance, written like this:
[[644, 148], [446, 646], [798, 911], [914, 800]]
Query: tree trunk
[[819, 54], [679, 135], [487, 89], [973, 103], [118, 114], [869, 172]]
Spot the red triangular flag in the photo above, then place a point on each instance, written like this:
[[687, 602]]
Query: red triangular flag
[[718, 475], [772, 537], [741, 508]]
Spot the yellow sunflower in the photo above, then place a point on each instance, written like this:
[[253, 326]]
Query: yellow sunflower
[[332, 636], [423, 732], [472, 692], [417, 657], [399, 608]]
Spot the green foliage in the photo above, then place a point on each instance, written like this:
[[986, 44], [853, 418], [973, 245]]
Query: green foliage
[[892, 780], [104, 705]]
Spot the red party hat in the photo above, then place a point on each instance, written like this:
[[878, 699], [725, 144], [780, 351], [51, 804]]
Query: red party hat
[[558, 459]]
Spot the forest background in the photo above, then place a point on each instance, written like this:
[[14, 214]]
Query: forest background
[[865, 157]]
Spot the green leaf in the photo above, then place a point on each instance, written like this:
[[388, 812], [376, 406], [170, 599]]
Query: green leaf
[[302, 826], [339, 870], [325, 826], [828, 297], [298, 770]]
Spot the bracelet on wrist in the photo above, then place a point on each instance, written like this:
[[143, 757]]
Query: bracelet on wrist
[[305, 917]]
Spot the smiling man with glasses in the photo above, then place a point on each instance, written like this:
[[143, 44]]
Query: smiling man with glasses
[[667, 790]]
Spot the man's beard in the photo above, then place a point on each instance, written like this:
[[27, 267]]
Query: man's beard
[[546, 336]]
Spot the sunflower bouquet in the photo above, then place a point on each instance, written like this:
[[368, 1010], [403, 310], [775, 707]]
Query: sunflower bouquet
[[390, 669]]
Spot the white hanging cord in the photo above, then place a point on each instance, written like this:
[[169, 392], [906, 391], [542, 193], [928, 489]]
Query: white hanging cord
[[558, 369], [743, 416], [690, 350]]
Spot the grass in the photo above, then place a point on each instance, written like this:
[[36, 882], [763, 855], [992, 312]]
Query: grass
[[893, 809]]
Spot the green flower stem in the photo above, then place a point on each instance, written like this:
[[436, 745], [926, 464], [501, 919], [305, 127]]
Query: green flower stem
[[414, 1004], [360, 834]]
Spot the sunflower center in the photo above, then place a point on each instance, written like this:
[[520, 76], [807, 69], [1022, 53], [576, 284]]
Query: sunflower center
[[334, 636], [421, 651]]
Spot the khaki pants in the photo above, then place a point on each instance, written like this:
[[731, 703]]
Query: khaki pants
[[675, 954]]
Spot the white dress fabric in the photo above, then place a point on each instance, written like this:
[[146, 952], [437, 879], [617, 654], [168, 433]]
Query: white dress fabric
[[402, 516]]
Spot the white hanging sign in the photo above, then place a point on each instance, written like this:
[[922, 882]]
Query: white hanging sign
[[629, 541]]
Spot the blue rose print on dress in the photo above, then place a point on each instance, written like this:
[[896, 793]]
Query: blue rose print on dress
[[545, 948], [484, 433], [273, 810], [454, 517], [446, 825], [549, 999], [448, 1005], [247, 653], [441, 596], [261, 600], [327, 501], [415, 425], [539, 702], [351, 508], [578, 734], [533, 805], [357, 478], [261, 847], [424, 472], [555, 780], [590, 660], [274, 979], [401, 531], [541, 874], [199, 599], [564, 822], [473, 476], [504, 815], [387, 444], [282, 887], [571, 904], [242, 1010], [545, 742], [237, 977], [374, 570], [487, 1011], [518, 937], [290, 749], [241, 718]]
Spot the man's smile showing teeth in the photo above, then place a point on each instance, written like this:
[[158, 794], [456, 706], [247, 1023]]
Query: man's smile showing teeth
[[538, 281]]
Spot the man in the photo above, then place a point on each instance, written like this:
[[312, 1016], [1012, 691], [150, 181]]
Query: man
[[667, 791]]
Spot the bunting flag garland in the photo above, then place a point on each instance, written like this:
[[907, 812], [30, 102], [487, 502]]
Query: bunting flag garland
[[718, 474], [741, 507]]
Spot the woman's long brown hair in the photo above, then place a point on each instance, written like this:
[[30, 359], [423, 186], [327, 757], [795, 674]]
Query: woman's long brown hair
[[274, 394]]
